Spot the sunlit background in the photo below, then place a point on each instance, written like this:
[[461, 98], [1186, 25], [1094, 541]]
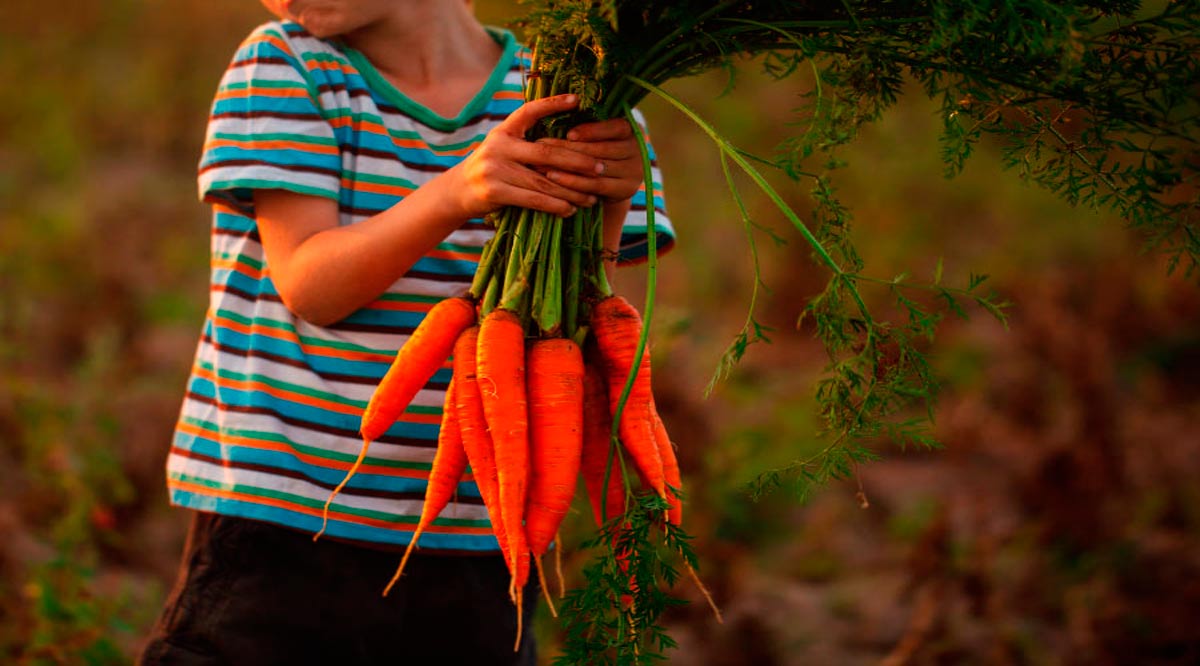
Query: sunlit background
[[1059, 525]]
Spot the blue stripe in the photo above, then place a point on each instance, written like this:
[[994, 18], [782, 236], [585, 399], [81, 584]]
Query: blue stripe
[[446, 266], [242, 103], [285, 408], [277, 459], [286, 461], [214, 157], [371, 370], [295, 410], [336, 528], [242, 282], [231, 222]]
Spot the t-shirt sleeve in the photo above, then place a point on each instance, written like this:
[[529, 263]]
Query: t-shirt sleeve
[[634, 237], [266, 129]]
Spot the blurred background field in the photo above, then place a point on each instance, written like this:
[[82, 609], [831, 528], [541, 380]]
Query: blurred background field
[[1059, 525]]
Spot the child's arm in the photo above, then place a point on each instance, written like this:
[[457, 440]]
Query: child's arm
[[324, 271]]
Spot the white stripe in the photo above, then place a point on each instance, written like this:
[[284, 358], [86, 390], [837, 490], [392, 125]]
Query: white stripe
[[350, 446], [228, 476]]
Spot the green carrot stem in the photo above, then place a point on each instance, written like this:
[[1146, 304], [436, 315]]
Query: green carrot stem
[[516, 251], [540, 269], [520, 263], [491, 296], [734, 154], [594, 235], [487, 263], [571, 291], [549, 315]]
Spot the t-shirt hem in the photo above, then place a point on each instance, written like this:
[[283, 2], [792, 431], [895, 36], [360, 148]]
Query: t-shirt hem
[[341, 531]]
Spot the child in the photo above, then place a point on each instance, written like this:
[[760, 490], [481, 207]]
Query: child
[[352, 150]]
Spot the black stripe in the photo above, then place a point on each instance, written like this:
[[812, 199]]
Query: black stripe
[[293, 474], [371, 328], [286, 115], [393, 156], [359, 327], [286, 167], [309, 425], [260, 60], [329, 376], [250, 234]]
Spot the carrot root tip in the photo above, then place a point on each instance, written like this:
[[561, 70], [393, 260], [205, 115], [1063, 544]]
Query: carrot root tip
[[545, 590], [704, 591]]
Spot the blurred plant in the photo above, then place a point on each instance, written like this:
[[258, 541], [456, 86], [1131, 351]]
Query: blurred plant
[[1092, 100]]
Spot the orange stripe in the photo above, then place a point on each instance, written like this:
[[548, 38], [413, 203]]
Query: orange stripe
[[227, 209], [317, 461], [291, 336], [326, 65], [333, 513], [275, 144], [400, 306], [422, 145], [235, 264], [450, 254], [377, 188], [269, 39], [284, 394], [359, 124], [261, 92], [311, 401], [509, 94]]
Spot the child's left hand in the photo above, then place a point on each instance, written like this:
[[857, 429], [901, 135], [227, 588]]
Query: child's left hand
[[613, 143]]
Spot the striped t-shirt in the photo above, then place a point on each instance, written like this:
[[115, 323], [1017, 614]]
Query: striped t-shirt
[[269, 423]]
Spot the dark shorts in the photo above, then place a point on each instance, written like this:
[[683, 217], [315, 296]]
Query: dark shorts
[[254, 593]]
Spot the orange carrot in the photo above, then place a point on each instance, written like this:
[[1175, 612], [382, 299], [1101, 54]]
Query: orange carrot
[[555, 397], [477, 442], [597, 438], [666, 451], [617, 327], [421, 356], [500, 366], [449, 463]]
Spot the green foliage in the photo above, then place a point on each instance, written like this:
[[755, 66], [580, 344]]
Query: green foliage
[[614, 617], [1016, 72]]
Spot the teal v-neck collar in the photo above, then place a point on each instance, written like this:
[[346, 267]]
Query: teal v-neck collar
[[424, 114]]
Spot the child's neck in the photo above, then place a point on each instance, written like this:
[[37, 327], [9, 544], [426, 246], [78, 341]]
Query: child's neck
[[437, 54]]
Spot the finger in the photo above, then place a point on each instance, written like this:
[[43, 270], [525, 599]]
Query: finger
[[605, 150], [609, 188], [528, 179], [604, 130], [526, 116], [550, 156], [513, 195]]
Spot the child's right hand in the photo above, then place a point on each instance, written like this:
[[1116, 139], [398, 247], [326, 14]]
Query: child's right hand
[[508, 170]]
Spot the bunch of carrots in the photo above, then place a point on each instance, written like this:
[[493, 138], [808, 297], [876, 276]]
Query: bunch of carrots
[[528, 409], [529, 416]]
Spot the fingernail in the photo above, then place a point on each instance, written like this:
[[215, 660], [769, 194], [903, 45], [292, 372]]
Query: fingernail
[[591, 201], [552, 175], [569, 99], [572, 135]]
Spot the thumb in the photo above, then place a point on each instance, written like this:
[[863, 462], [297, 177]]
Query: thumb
[[527, 115]]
